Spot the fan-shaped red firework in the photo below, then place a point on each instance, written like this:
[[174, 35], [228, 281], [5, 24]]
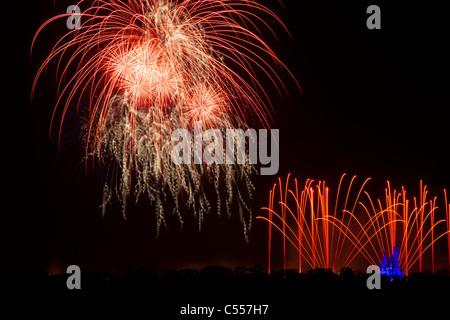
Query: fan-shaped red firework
[[149, 67], [335, 238]]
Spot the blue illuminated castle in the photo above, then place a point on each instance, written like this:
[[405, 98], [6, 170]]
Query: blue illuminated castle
[[390, 266]]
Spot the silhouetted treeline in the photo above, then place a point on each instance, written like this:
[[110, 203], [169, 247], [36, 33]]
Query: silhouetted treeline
[[145, 292]]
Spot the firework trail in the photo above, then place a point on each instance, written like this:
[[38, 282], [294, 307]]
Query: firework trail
[[328, 238], [303, 216], [150, 67]]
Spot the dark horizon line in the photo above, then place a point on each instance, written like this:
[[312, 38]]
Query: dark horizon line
[[257, 270]]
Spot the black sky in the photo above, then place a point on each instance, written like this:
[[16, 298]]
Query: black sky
[[374, 103]]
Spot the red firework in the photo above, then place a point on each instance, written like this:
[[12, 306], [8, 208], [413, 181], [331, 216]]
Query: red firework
[[150, 67], [329, 238], [159, 54]]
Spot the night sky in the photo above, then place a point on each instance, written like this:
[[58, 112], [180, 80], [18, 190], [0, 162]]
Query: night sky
[[374, 103]]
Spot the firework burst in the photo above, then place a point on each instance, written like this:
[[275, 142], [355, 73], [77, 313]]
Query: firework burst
[[150, 67]]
